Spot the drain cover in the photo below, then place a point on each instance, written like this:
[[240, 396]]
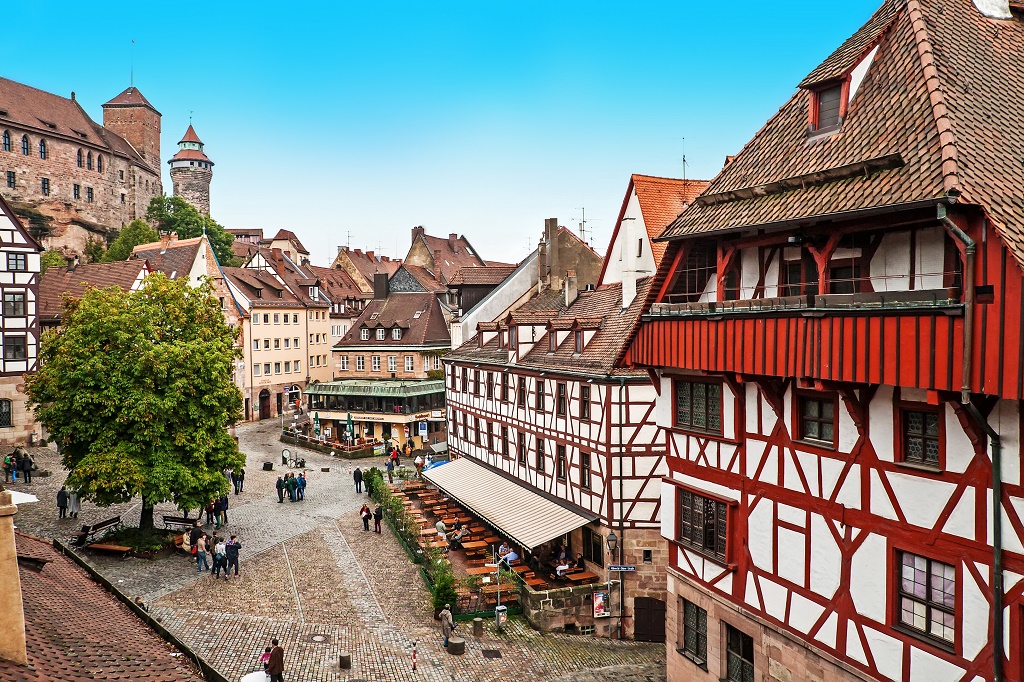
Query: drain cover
[[491, 653], [319, 639]]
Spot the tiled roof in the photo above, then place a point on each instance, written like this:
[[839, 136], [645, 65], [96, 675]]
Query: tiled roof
[[418, 314], [940, 109], [488, 275], [424, 277], [77, 631], [337, 284], [249, 281], [856, 46], [190, 136], [369, 264], [462, 256], [661, 200], [288, 235], [130, 97], [190, 155], [297, 279], [174, 260], [57, 281]]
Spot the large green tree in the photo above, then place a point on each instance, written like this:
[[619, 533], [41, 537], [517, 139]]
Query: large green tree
[[51, 258], [136, 232], [174, 214], [136, 389]]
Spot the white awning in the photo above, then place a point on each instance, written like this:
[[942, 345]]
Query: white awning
[[524, 515], [18, 497]]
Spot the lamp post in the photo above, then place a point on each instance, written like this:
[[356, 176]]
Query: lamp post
[[613, 544]]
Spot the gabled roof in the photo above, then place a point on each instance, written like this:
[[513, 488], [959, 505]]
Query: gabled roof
[[368, 264], [249, 281], [422, 276], [57, 281], [174, 259], [289, 236], [297, 279], [130, 97], [190, 136], [453, 256], [940, 111], [482, 276], [76, 630], [417, 314], [337, 284]]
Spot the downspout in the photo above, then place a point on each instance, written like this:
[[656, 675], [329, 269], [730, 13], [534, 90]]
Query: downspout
[[622, 525], [969, 249]]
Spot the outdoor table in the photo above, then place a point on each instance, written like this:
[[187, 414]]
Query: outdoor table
[[534, 582], [475, 544], [439, 544], [580, 577], [521, 569], [479, 570]]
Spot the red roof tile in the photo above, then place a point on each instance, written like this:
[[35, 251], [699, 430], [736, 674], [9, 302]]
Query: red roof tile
[[190, 136], [289, 236], [130, 97], [418, 314], [190, 155], [57, 281], [488, 275], [174, 259]]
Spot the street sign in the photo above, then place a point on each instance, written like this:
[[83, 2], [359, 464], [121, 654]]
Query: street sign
[[621, 568]]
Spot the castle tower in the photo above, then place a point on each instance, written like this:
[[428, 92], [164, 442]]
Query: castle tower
[[131, 116], [192, 171]]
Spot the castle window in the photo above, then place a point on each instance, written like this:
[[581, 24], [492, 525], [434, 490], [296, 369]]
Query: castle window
[[7, 140], [88, 194], [5, 414], [99, 164], [42, 149], [11, 179], [88, 161], [80, 159], [24, 145], [122, 197], [120, 175], [44, 186], [76, 191]]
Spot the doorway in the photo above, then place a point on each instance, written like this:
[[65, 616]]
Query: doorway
[[264, 404], [279, 410], [648, 619]]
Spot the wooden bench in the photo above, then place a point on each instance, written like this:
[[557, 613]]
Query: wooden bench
[[89, 532], [112, 549], [178, 522]]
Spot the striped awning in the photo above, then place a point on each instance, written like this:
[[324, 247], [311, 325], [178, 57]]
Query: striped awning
[[520, 513]]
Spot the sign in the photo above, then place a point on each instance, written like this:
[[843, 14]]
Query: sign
[[423, 429], [601, 604], [316, 423], [378, 449], [436, 414], [618, 567]]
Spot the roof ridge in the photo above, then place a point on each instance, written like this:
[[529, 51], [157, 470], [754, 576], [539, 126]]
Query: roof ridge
[[950, 166]]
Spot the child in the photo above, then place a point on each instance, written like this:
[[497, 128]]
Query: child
[[265, 658]]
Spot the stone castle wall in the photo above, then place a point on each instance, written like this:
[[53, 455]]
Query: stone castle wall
[[193, 185]]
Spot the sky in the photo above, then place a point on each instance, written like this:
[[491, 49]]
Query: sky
[[351, 123]]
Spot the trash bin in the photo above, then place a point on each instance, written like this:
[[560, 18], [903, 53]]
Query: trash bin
[[500, 615], [268, 466]]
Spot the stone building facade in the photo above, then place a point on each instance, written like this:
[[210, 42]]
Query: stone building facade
[[192, 172], [70, 179]]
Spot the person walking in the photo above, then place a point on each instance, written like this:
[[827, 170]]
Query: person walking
[[301, 487], [378, 515], [224, 509], [202, 563], [447, 623], [293, 486], [357, 476], [219, 557], [365, 515], [62, 503], [280, 489], [218, 513], [26, 465], [15, 466], [74, 504], [239, 480], [275, 666], [8, 465], [390, 466], [231, 552], [209, 513]]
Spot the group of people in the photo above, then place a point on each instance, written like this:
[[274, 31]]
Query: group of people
[[68, 503], [236, 479], [18, 461], [217, 511], [273, 661], [377, 515], [294, 486], [224, 552]]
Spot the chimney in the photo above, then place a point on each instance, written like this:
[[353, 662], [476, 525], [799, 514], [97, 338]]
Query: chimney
[[417, 232], [277, 255], [358, 252], [437, 264], [542, 265], [74, 263], [571, 288], [380, 286], [453, 242], [554, 263], [166, 240], [12, 615], [628, 287], [728, 160], [994, 9]]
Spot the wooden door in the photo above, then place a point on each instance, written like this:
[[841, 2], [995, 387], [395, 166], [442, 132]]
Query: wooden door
[[648, 619], [264, 404]]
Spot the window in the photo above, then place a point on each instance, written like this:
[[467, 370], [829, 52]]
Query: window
[[88, 194], [585, 470], [122, 197], [5, 414], [490, 436], [256, 370], [584, 402], [287, 367], [476, 430], [17, 262], [513, 338], [7, 144], [392, 363], [410, 363], [295, 318], [44, 186], [490, 385], [343, 363], [927, 597], [426, 363], [818, 418], [540, 455], [24, 145], [277, 368], [88, 161], [922, 437], [375, 363], [14, 304], [396, 334], [360, 363], [42, 149], [699, 405], [255, 319], [844, 279], [465, 380], [693, 639], [552, 342], [799, 277], [295, 343], [266, 368], [277, 344], [297, 363], [11, 179], [437, 362], [266, 317], [504, 387], [540, 395], [312, 361], [739, 655], [827, 108], [266, 344], [578, 340], [476, 382], [561, 464], [381, 332], [14, 347], [522, 448], [99, 164], [593, 546], [277, 318], [702, 523], [78, 159], [521, 398], [560, 402], [504, 441], [120, 175], [255, 344], [76, 191], [287, 343], [364, 334]]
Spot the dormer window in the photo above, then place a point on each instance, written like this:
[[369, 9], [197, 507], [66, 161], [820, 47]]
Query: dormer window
[[578, 338], [513, 338], [314, 293], [364, 334], [552, 342], [827, 108], [381, 332], [396, 334]]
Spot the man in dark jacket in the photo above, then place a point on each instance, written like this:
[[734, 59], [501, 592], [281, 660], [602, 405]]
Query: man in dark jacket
[[280, 489], [239, 480], [62, 502], [193, 535], [357, 476], [26, 465], [275, 666], [378, 515], [231, 549]]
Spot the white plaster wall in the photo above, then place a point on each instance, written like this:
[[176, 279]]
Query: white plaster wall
[[859, 71], [975, 613], [880, 414], [759, 535], [803, 613], [921, 499], [826, 559], [890, 266], [749, 272], [791, 556], [868, 587], [887, 652], [959, 450], [925, 667], [508, 293], [930, 258], [622, 253]]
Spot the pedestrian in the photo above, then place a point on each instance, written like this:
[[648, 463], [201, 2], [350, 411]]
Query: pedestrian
[[357, 476], [209, 513], [8, 465], [74, 504], [26, 465], [293, 486], [62, 503], [280, 489], [275, 666], [224, 509], [202, 563], [390, 466], [194, 533], [447, 623], [365, 515], [264, 659], [231, 552], [378, 514], [239, 480], [218, 513], [301, 489], [418, 463], [219, 557]]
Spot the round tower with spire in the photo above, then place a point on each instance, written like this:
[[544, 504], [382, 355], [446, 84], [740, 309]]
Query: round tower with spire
[[192, 171]]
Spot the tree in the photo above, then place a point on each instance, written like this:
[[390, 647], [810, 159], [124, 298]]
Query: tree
[[174, 214], [136, 232], [51, 258], [136, 389], [95, 250]]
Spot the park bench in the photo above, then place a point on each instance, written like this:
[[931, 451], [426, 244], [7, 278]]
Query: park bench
[[89, 532], [178, 522], [110, 548]]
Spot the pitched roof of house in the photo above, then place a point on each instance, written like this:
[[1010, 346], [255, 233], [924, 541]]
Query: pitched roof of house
[[190, 136], [261, 288], [940, 110], [56, 116], [76, 630], [337, 284], [130, 97], [288, 235], [417, 314], [368, 264], [487, 275], [57, 281], [455, 255], [423, 276], [174, 259], [297, 277]]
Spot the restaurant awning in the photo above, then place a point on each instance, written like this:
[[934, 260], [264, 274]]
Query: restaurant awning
[[378, 389], [523, 515]]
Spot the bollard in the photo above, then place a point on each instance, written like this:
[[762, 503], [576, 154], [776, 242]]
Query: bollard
[[478, 627], [414, 656], [456, 646], [344, 660]]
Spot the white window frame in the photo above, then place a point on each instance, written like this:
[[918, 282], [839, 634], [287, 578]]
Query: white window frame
[[410, 363], [364, 334], [381, 333], [374, 363], [392, 363], [343, 363]]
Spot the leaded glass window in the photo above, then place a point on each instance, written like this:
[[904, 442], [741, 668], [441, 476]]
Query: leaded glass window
[[927, 594], [699, 405], [817, 419], [739, 655], [921, 437], [703, 523], [695, 633]]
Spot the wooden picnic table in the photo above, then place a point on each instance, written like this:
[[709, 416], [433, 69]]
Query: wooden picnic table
[[479, 570], [581, 576], [521, 568], [475, 544], [438, 545], [535, 582]]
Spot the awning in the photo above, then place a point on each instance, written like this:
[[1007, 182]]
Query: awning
[[524, 515], [380, 388]]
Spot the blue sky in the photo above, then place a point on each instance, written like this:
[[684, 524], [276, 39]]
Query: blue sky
[[476, 118]]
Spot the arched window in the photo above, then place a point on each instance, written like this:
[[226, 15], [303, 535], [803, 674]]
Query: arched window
[[81, 161], [99, 163], [7, 140], [24, 145], [42, 149], [88, 161]]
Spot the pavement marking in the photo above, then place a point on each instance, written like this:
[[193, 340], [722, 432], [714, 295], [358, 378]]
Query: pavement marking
[[295, 588]]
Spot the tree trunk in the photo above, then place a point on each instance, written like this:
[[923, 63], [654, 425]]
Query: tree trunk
[[146, 516]]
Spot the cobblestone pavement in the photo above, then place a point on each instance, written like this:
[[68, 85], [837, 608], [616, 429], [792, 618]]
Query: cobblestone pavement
[[311, 577]]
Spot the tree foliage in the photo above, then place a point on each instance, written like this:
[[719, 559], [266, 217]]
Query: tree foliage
[[136, 389], [136, 232], [95, 251], [51, 258], [174, 214]]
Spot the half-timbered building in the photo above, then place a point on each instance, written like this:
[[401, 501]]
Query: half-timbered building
[[837, 328], [19, 324]]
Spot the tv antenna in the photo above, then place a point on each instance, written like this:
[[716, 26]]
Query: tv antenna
[[583, 225]]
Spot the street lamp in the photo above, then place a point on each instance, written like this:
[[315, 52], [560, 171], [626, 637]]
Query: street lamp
[[613, 542]]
